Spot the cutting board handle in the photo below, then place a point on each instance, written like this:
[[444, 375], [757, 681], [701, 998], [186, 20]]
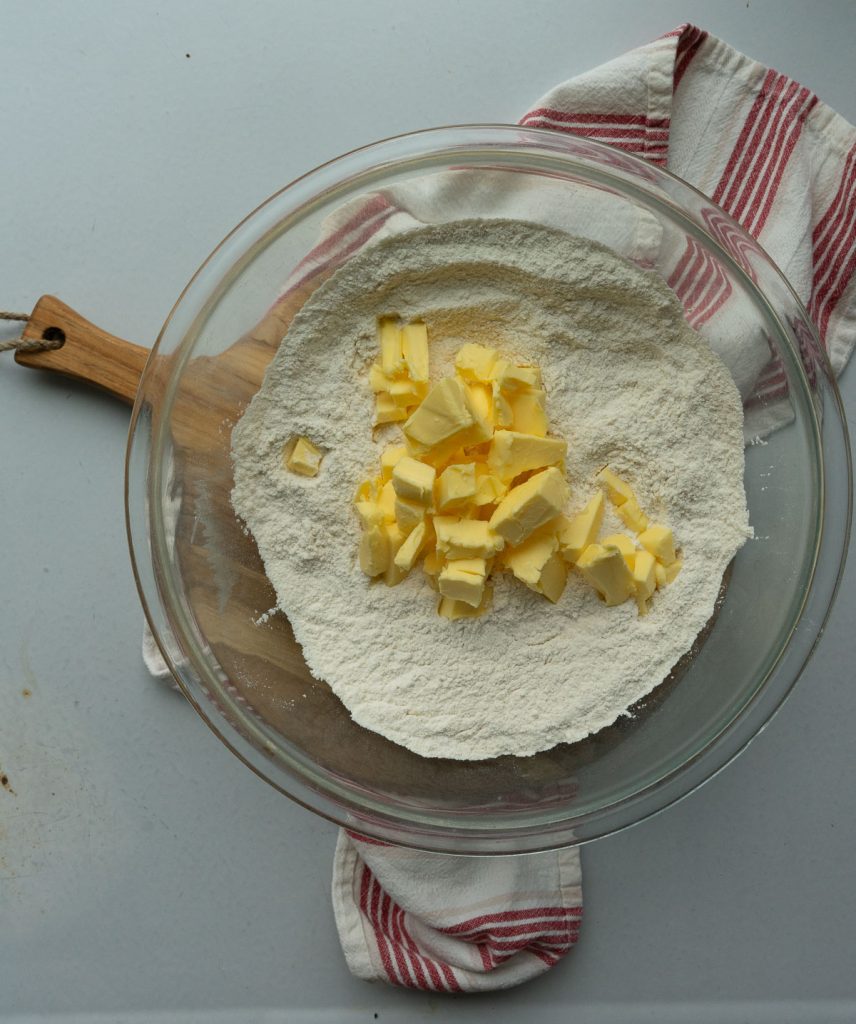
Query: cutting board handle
[[87, 353]]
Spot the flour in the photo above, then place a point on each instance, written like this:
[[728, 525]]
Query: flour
[[628, 383]]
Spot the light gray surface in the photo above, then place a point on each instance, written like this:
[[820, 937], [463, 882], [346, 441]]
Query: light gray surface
[[143, 870]]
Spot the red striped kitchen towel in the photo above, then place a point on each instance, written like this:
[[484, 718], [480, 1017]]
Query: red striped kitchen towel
[[453, 924]]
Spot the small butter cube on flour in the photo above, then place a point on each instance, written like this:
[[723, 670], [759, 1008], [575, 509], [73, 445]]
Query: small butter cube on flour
[[644, 574], [389, 458], [378, 380], [444, 421], [370, 513], [489, 488], [405, 557], [408, 514], [481, 399], [528, 413], [466, 538], [449, 608], [666, 573], [606, 570], [530, 505], [516, 378], [304, 458], [389, 340], [396, 537], [414, 346], [632, 516], [512, 453], [475, 362], [503, 414], [414, 480], [463, 580], [624, 544], [387, 410], [374, 551], [580, 530], [528, 559], [406, 392], [660, 542], [386, 502], [618, 490], [456, 486]]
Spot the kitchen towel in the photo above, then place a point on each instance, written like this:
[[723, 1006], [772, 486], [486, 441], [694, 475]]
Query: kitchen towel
[[783, 165]]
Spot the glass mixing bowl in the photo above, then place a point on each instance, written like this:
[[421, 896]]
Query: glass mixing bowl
[[203, 585]]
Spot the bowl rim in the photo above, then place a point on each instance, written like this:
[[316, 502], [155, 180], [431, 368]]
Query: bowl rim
[[377, 823]]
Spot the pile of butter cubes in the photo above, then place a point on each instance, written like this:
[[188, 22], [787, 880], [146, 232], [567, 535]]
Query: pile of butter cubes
[[478, 487]]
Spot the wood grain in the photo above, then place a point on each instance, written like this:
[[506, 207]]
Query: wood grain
[[87, 354]]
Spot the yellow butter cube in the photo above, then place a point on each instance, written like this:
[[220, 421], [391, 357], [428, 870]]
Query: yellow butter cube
[[481, 399], [387, 410], [449, 608], [414, 347], [666, 573], [606, 570], [530, 505], [475, 362], [503, 414], [527, 560], [554, 577], [457, 581], [366, 491], [580, 530], [378, 380], [632, 516], [414, 480], [516, 378], [456, 486], [390, 457], [396, 537], [444, 421], [374, 551], [624, 544], [408, 514], [370, 513], [512, 453], [406, 392], [489, 488], [304, 458], [644, 575], [660, 542], [386, 502], [465, 538], [389, 340], [528, 413], [618, 490], [405, 557], [433, 562]]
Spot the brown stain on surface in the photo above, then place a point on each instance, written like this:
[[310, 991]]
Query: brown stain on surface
[[6, 784]]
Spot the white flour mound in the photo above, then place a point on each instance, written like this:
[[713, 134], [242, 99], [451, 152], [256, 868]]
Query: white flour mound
[[628, 383]]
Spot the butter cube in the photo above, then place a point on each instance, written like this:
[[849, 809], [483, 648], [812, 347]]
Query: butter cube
[[554, 577], [374, 553], [489, 488], [386, 502], [370, 513], [433, 562], [528, 413], [624, 544], [660, 542], [389, 339], [457, 581], [503, 414], [475, 362], [414, 347], [449, 608], [516, 378], [580, 530], [667, 573], [387, 410], [606, 570], [304, 458], [481, 399], [366, 491], [414, 480], [408, 514], [644, 575], [466, 538], [632, 516], [389, 458], [405, 557], [618, 490], [530, 505], [392, 574], [527, 560], [444, 421], [406, 392], [378, 380], [456, 486], [512, 453]]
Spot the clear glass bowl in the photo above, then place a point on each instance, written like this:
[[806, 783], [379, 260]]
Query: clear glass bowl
[[203, 585]]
